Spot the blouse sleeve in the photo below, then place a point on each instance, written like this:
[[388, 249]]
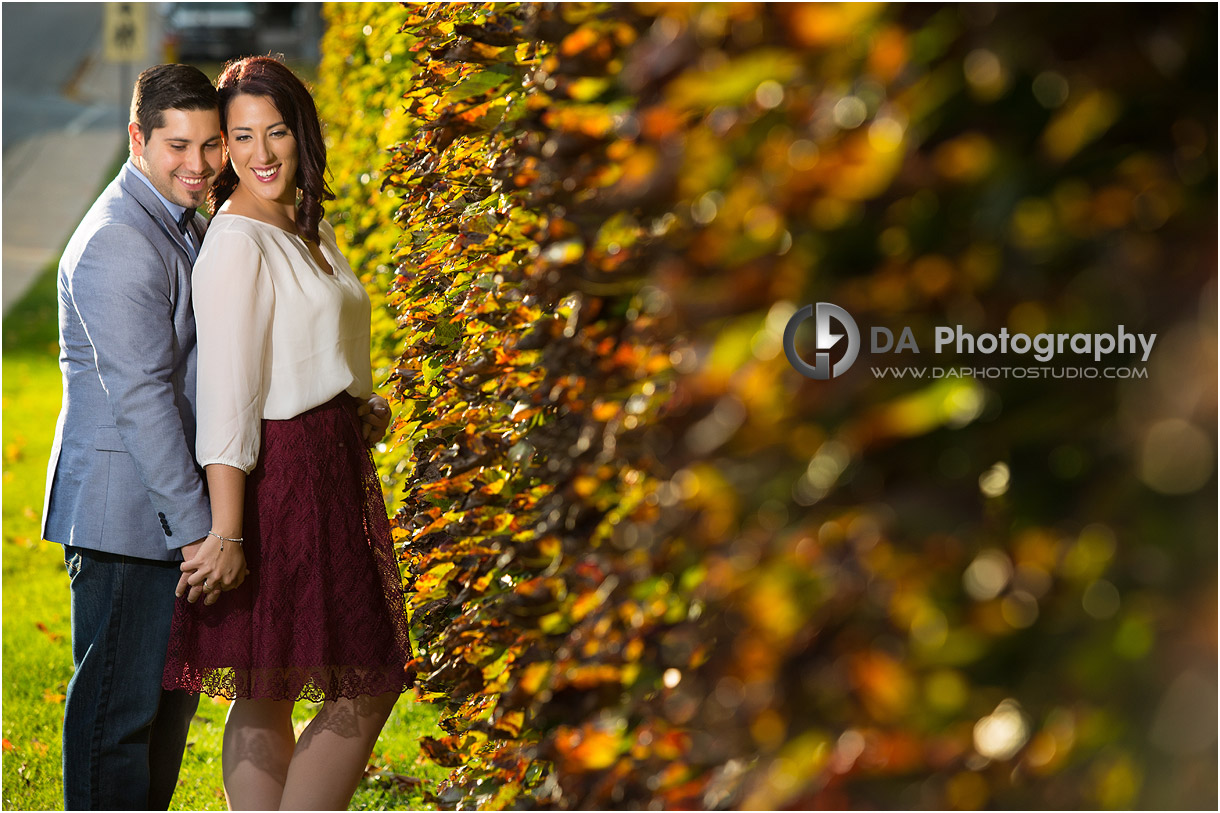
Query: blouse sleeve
[[357, 324], [233, 300]]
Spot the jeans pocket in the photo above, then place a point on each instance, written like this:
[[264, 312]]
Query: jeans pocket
[[72, 561]]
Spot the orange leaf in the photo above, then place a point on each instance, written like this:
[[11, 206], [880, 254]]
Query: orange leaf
[[587, 750], [577, 41], [585, 485], [54, 636], [672, 745], [532, 676], [604, 411], [883, 683]]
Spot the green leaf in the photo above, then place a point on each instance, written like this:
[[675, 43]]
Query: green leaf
[[432, 368], [735, 81], [476, 85], [447, 332]]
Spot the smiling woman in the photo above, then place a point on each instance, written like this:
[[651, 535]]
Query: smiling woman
[[286, 114], [284, 374], [263, 155]]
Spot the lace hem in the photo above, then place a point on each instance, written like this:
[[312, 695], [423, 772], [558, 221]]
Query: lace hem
[[315, 685]]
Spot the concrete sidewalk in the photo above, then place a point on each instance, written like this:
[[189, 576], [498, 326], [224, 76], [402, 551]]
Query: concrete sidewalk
[[49, 183], [50, 180]]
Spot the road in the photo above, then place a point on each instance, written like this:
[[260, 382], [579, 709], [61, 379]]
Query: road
[[47, 47]]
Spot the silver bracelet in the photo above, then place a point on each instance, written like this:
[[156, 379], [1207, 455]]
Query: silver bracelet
[[223, 539]]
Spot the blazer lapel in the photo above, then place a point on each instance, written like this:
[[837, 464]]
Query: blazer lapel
[[197, 229], [155, 209]]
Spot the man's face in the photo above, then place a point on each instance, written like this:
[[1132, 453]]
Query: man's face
[[181, 158]]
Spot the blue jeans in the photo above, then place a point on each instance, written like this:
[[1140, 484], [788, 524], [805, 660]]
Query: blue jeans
[[123, 735]]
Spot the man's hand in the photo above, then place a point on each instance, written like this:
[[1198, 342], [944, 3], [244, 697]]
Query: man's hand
[[376, 414], [208, 570], [189, 552]]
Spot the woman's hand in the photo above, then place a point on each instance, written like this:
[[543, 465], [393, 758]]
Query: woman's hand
[[212, 566], [376, 414]]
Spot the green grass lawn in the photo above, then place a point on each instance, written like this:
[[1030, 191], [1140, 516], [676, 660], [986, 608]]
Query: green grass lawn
[[37, 657]]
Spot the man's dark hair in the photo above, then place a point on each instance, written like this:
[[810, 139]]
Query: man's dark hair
[[169, 87]]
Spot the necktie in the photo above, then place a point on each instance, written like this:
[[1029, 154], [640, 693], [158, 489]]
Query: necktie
[[191, 249]]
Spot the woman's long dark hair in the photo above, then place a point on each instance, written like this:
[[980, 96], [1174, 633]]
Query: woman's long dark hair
[[270, 78]]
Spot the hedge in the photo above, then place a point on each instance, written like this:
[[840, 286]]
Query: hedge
[[651, 565]]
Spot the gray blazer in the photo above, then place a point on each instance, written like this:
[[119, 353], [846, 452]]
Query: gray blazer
[[122, 476]]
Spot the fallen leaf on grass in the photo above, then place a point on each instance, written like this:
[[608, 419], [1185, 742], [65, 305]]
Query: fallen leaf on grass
[[52, 696], [8, 746], [39, 746], [54, 636]]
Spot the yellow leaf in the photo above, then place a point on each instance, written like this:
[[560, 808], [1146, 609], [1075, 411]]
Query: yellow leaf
[[1080, 123], [511, 722], [434, 578], [532, 677], [585, 485]]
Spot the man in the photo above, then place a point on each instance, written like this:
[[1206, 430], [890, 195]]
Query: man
[[123, 493], [124, 496]]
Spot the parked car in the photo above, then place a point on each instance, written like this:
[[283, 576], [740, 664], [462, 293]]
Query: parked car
[[211, 31]]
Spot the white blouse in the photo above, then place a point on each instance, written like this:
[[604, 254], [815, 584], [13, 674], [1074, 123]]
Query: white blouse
[[277, 335]]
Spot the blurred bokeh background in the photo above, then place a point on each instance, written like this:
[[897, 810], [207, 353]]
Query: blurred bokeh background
[[964, 593]]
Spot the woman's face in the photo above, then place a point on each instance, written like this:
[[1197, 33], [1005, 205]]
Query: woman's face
[[262, 149]]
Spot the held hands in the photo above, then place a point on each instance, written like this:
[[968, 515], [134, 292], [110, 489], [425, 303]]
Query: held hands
[[208, 570], [376, 414]]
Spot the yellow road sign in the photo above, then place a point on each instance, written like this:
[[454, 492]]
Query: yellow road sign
[[125, 32]]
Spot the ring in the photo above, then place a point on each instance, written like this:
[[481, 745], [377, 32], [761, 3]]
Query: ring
[[205, 582]]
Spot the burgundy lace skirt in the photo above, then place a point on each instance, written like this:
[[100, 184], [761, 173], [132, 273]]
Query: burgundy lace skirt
[[321, 614]]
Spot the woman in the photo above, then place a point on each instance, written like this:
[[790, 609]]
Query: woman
[[283, 330]]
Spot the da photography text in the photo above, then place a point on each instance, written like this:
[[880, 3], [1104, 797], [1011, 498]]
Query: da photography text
[[833, 323]]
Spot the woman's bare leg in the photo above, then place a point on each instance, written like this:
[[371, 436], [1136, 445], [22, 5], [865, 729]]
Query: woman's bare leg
[[258, 747], [333, 752]]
